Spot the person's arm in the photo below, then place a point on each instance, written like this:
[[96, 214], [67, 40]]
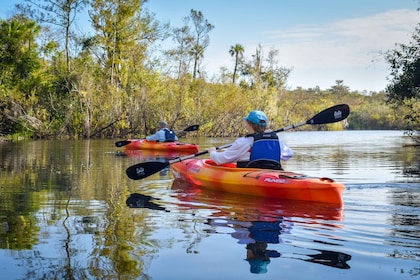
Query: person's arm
[[158, 136], [286, 151], [152, 137], [238, 151]]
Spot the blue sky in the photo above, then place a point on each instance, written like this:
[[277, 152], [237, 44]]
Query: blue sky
[[320, 40]]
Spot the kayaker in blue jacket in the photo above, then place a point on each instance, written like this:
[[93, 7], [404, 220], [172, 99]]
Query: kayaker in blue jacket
[[260, 148], [164, 134]]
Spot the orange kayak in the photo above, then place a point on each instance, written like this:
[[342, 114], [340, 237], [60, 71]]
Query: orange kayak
[[142, 144], [206, 174]]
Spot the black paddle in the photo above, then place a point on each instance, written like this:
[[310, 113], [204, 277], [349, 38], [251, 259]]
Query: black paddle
[[126, 142], [142, 170]]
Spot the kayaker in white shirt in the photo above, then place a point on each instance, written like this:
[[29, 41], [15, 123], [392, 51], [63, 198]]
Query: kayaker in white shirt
[[240, 151], [164, 134]]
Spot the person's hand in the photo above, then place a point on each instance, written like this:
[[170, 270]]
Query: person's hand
[[211, 149]]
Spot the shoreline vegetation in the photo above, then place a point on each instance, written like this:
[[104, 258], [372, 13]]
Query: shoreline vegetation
[[118, 82]]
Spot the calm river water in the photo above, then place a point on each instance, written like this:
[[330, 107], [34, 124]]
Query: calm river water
[[64, 215]]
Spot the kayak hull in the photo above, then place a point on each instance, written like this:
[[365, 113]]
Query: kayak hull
[[242, 208], [206, 174], [142, 144]]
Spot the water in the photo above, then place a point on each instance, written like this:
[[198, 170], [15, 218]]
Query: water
[[64, 215]]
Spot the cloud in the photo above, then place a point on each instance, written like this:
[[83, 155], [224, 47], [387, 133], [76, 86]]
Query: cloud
[[350, 49], [346, 43]]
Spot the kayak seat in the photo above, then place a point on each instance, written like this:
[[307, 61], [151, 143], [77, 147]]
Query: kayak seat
[[264, 164]]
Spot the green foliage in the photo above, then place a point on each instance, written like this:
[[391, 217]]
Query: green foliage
[[113, 86], [19, 64], [380, 116], [404, 89], [18, 50]]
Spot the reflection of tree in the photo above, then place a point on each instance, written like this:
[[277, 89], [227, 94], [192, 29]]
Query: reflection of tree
[[405, 223], [18, 231], [68, 267], [411, 160], [54, 196]]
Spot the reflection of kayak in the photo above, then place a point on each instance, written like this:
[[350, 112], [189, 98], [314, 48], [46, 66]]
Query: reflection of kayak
[[142, 144], [259, 208], [258, 182], [153, 155], [262, 221]]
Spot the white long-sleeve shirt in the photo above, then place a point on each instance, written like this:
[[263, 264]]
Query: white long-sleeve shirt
[[241, 151]]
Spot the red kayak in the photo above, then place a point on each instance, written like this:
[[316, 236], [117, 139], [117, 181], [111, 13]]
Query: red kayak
[[143, 144]]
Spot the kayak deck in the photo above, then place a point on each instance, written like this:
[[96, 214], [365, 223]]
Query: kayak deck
[[258, 182]]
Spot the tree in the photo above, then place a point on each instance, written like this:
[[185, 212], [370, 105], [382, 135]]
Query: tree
[[19, 64], [237, 51], [201, 38], [261, 75], [184, 43], [404, 89], [252, 70], [18, 54], [57, 13], [117, 27], [275, 76], [339, 88]]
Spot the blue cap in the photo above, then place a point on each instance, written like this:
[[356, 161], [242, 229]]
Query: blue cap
[[257, 117]]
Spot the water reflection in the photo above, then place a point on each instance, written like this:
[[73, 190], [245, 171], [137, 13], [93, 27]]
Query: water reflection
[[64, 215], [363, 156], [256, 235], [60, 213], [329, 258], [137, 200], [152, 155], [258, 223]]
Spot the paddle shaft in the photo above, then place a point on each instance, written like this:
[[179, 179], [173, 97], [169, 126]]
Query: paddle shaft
[[178, 159], [330, 115]]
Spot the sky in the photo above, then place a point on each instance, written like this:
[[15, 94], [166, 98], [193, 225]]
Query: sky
[[321, 41]]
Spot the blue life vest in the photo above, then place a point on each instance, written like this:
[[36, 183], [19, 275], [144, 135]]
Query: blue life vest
[[266, 151], [169, 135]]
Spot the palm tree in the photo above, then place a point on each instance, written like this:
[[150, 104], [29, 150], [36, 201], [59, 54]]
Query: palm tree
[[237, 51]]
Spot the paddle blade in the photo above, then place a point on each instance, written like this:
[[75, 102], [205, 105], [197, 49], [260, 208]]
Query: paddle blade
[[331, 115], [145, 169], [122, 143], [192, 128]]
